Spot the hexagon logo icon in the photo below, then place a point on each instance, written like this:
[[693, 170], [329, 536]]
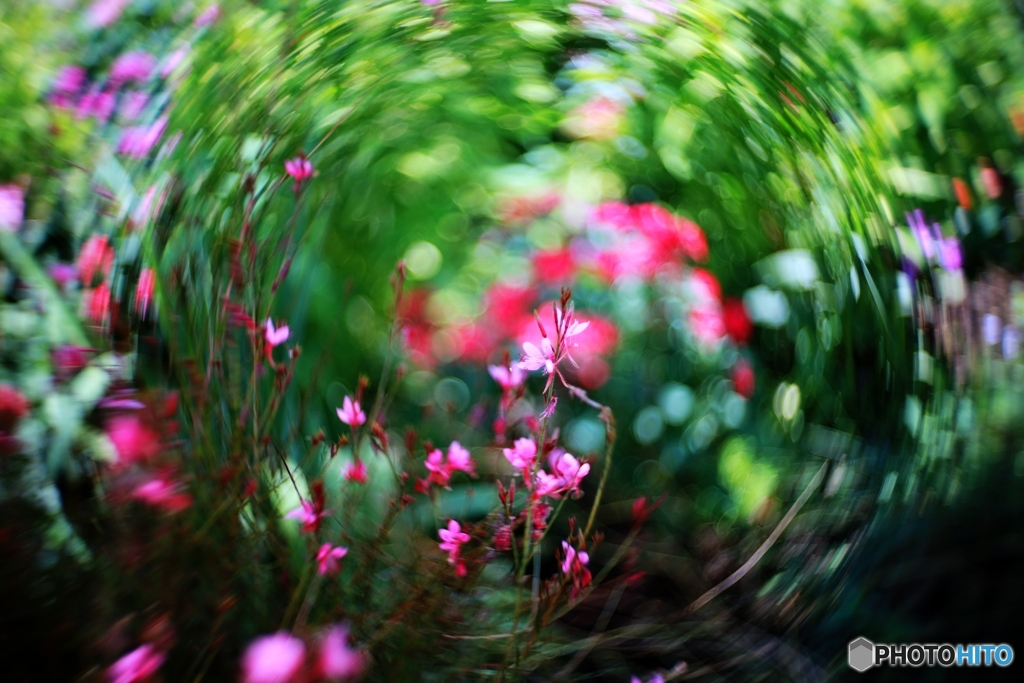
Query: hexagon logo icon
[[862, 654]]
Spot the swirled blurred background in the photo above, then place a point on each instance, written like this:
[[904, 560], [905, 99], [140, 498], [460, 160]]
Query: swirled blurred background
[[795, 227]]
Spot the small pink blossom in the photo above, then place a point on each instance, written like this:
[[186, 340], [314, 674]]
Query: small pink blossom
[[173, 61], [327, 558], [95, 258], [440, 473], [309, 515], [337, 659], [161, 493], [132, 66], [351, 413], [459, 459], [355, 472], [452, 539], [275, 658], [105, 12], [522, 454], [299, 168], [97, 104], [536, 358], [572, 472], [574, 566], [133, 441], [12, 207], [275, 336], [208, 15], [507, 378], [136, 666], [134, 103], [138, 141], [144, 291], [547, 484]]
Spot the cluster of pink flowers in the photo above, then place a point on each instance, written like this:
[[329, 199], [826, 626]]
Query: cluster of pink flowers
[[641, 240], [283, 658], [574, 568], [440, 469], [452, 540]]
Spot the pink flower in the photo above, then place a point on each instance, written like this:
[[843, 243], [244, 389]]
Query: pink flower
[[337, 660], [309, 514], [522, 454], [161, 493], [134, 103], [96, 305], [95, 258], [144, 291], [99, 105], [459, 459], [208, 15], [351, 413], [440, 473], [138, 141], [452, 539], [13, 407], [547, 484], [133, 441], [737, 323], [275, 658], [743, 378], [67, 84], [571, 472], [355, 472], [105, 12], [275, 336], [507, 378], [327, 558], [707, 324], [136, 666], [572, 557], [554, 266], [536, 358], [132, 66], [172, 61], [12, 207], [299, 168]]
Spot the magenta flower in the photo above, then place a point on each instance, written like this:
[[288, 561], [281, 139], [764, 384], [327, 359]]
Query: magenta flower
[[12, 207], [132, 66], [351, 413], [275, 336], [144, 291], [105, 12], [547, 485], [161, 493], [96, 305], [136, 666], [452, 539], [572, 472], [309, 515], [327, 558], [440, 472], [522, 454], [507, 378], [133, 441], [99, 105], [337, 660], [355, 472], [574, 566], [95, 258], [134, 103], [459, 459], [275, 658], [67, 85], [172, 61], [535, 359], [299, 168], [208, 15], [138, 141]]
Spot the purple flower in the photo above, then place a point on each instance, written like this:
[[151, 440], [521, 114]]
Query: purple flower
[[208, 15], [136, 666], [138, 141], [12, 207], [105, 12], [273, 659], [132, 66]]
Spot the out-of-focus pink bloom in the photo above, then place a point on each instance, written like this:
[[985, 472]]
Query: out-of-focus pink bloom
[[522, 455], [508, 308], [162, 493], [692, 239], [704, 286], [137, 666], [208, 15], [921, 232], [144, 291], [556, 266], [452, 539], [351, 413], [172, 61], [132, 66], [507, 378], [95, 258], [97, 104], [68, 360], [13, 407], [133, 440], [737, 323], [572, 556], [992, 182], [138, 141], [440, 473], [309, 514], [337, 660], [355, 472], [299, 168], [69, 82], [62, 273], [96, 305], [949, 254], [12, 207], [743, 378], [707, 324], [327, 558], [616, 214], [134, 103], [105, 12], [276, 658], [547, 485], [536, 358], [598, 119], [503, 539], [571, 472], [459, 459], [275, 336]]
